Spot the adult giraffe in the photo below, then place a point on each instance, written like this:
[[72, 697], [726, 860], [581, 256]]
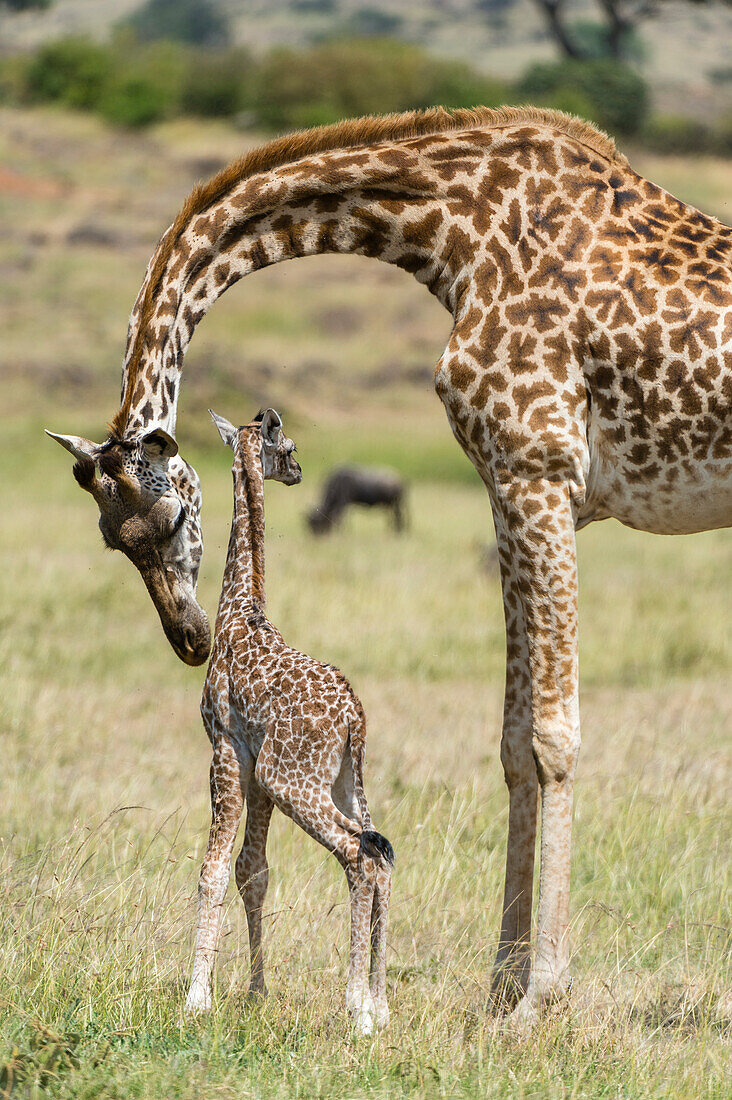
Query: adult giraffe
[[588, 375]]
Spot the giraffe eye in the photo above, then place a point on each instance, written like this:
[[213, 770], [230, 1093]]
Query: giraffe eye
[[179, 521], [167, 516], [108, 535]]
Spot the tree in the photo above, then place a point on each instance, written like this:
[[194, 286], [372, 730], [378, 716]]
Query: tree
[[25, 5], [620, 20], [196, 22]]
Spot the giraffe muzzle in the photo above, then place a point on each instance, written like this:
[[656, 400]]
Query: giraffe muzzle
[[184, 621]]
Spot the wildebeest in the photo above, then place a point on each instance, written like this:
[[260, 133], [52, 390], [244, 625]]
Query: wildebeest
[[366, 485]]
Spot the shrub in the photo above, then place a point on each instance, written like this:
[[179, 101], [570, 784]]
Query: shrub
[[592, 41], [195, 22], [336, 80], [13, 78], [72, 70], [722, 136], [676, 134], [451, 84], [216, 83], [145, 85], [617, 95]]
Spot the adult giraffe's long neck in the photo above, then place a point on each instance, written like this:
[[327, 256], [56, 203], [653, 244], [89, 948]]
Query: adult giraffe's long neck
[[376, 201], [413, 190], [244, 572]]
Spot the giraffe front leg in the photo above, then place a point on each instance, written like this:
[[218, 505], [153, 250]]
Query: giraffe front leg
[[538, 513], [513, 958], [227, 782], [252, 879]]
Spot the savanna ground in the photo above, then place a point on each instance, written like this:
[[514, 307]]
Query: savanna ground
[[103, 816]]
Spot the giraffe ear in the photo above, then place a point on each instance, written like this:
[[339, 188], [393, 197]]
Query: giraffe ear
[[159, 444], [227, 431], [271, 426], [79, 447]]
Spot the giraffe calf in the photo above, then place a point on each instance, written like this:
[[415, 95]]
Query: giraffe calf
[[286, 731]]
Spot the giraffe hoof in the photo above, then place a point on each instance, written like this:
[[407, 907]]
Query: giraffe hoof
[[523, 1019], [507, 989], [363, 1016], [254, 997], [363, 1023], [529, 1009], [198, 1000]]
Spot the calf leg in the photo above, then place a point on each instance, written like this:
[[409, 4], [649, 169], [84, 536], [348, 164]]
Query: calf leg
[[361, 877], [229, 778], [252, 877], [311, 806], [379, 916]]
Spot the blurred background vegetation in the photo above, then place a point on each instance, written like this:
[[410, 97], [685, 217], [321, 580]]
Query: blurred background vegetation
[[295, 63]]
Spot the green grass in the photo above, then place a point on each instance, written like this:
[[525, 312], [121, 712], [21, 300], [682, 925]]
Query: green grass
[[104, 812], [103, 816]]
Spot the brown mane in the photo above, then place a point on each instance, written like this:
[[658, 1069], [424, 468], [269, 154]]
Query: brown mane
[[341, 135]]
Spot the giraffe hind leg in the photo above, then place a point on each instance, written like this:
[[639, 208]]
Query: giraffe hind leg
[[543, 550], [311, 806], [252, 878], [379, 916], [513, 958]]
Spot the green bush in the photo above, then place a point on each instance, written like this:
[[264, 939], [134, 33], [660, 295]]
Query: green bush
[[592, 41], [133, 84], [145, 85], [217, 83], [687, 136], [617, 95], [722, 136], [13, 78], [335, 80], [195, 22], [451, 84], [676, 134], [71, 70]]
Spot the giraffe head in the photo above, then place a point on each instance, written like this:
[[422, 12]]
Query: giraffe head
[[276, 450], [149, 503]]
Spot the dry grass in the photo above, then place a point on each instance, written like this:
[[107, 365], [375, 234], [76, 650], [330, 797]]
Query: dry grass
[[103, 816]]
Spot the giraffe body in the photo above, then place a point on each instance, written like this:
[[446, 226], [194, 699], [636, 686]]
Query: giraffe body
[[588, 375], [285, 730]]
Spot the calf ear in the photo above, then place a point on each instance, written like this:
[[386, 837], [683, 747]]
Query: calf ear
[[227, 431], [271, 427], [159, 444]]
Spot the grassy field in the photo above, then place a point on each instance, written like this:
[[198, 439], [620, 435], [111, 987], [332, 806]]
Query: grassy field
[[104, 814]]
